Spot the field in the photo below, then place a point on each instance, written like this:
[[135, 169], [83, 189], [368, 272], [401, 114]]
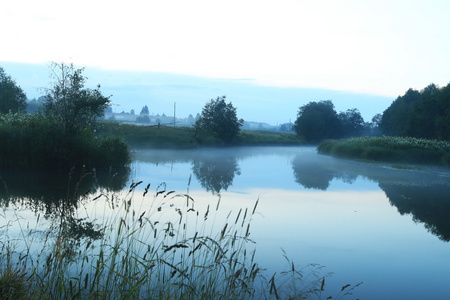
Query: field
[[184, 137]]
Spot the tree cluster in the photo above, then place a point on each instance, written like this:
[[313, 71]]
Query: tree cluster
[[420, 114], [317, 121]]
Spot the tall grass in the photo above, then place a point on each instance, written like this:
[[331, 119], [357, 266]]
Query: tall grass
[[390, 149], [159, 246]]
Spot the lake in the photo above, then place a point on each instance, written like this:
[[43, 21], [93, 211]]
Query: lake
[[386, 227]]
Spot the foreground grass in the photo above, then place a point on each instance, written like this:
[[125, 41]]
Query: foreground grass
[[184, 137], [390, 149], [159, 248]]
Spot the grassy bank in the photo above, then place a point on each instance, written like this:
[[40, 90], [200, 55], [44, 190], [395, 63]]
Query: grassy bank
[[390, 149], [39, 142], [157, 246], [185, 137]]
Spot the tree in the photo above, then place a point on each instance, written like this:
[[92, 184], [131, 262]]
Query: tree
[[421, 119], [424, 114], [219, 119], [394, 120], [144, 110], [443, 119], [352, 123], [12, 97], [317, 121], [73, 105]]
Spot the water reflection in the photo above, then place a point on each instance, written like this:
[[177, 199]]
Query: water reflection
[[57, 196], [216, 174], [424, 194]]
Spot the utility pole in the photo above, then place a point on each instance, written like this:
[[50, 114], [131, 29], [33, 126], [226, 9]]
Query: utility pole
[[174, 112]]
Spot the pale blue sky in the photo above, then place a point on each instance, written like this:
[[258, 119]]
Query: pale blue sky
[[378, 47]]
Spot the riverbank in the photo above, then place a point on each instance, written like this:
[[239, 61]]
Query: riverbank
[[161, 137], [389, 149]]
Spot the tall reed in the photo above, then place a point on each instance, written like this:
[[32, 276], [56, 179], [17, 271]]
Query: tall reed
[[160, 245]]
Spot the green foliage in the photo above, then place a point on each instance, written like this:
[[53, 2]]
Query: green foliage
[[352, 123], [392, 149], [184, 137], [143, 119], [37, 142], [12, 97], [13, 284], [150, 136], [218, 120], [114, 152], [317, 121], [424, 114], [74, 106], [267, 138]]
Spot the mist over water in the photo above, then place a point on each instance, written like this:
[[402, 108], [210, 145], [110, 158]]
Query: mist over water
[[371, 223]]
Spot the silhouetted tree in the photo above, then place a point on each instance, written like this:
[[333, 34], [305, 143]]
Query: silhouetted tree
[[424, 114], [144, 110], [394, 120], [67, 100], [12, 97], [352, 123], [219, 119], [317, 121]]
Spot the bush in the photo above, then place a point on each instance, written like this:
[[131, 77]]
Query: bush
[[114, 152]]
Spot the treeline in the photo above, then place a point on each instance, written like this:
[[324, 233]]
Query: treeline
[[420, 114], [317, 121]]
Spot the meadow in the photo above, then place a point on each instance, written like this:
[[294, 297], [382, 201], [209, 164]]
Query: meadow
[[160, 137], [390, 149]]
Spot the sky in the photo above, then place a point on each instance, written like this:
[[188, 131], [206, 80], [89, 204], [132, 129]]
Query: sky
[[361, 49]]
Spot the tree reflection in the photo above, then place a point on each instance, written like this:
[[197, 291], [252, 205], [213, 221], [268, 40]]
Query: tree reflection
[[426, 204], [422, 194], [215, 174], [57, 196], [316, 174]]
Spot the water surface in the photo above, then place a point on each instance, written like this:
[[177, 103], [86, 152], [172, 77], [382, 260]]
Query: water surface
[[370, 223]]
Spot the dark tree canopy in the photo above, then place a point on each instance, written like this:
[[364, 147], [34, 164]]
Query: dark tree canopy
[[219, 119], [352, 122], [395, 117], [317, 121], [72, 104], [12, 97], [421, 114]]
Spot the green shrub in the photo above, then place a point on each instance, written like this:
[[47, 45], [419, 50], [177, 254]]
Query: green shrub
[[113, 151]]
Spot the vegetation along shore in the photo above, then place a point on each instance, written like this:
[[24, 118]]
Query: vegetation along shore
[[390, 149]]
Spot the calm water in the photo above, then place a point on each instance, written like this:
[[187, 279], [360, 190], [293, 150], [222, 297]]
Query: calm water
[[371, 223]]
